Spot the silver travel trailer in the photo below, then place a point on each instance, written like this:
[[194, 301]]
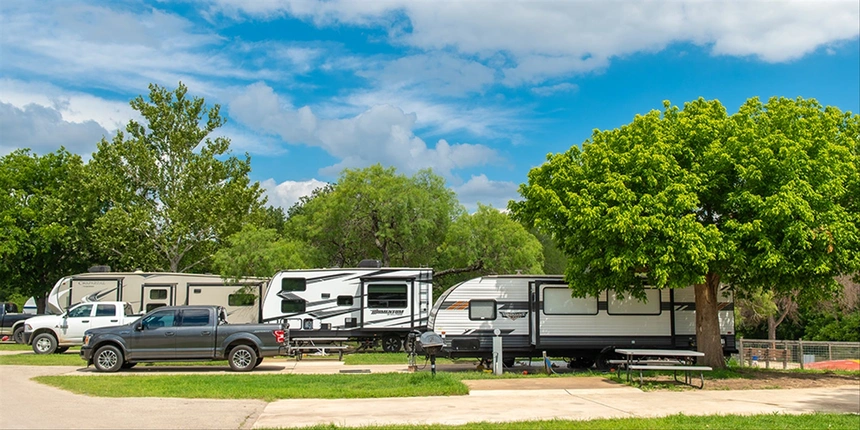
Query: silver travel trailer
[[535, 313], [365, 304], [148, 290]]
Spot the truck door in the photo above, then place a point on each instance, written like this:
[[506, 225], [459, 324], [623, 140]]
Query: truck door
[[107, 314], [156, 337], [75, 323], [385, 304], [195, 334]]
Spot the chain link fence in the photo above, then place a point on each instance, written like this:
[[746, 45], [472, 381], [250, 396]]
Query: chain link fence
[[793, 354]]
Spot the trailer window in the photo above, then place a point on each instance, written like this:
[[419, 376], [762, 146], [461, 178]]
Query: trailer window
[[557, 301], [159, 294], [151, 306], [195, 317], [482, 309], [292, 306], [629, 305], [387, 296], [128, 309], [241, 299], [294, 284], [344, 300]]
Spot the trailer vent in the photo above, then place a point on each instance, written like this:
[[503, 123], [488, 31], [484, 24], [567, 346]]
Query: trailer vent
[[99, 269], [370, 263]]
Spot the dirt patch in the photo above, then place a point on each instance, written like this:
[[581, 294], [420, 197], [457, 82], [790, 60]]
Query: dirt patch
[[765, 380]]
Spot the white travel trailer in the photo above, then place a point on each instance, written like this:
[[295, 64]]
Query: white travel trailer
[[366, 304], [536, 313], [148, 290]]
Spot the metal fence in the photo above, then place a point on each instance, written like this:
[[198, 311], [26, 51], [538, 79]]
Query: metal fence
[[793, 354]]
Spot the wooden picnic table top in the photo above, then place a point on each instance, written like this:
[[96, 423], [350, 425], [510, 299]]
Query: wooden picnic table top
[[660, 352]]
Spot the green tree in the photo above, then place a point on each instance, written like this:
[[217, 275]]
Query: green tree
[[258, 252], [172, 195], [376, 213], [486, 242], [695, 196], [45, 214]]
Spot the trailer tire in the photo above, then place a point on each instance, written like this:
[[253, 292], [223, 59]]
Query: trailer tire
[[44, 343], [108, 358], [61, 349], [242, 358], [18, 334], [391, 343]]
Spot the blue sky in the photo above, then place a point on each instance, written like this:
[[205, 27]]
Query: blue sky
[[479, 91]]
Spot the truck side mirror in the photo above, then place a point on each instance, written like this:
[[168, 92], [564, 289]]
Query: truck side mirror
[[138, 327]]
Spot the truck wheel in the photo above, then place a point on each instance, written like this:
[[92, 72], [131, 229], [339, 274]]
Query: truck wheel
[[108, 359], [44, 343], [128, 365], [259, 360], [391, 343], [242, 358], [18, 334], [61, 349]]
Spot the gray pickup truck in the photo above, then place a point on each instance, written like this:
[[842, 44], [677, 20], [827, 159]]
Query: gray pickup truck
[[182, 333]]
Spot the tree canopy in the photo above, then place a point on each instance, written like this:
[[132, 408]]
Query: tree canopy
[[694, 196], [171, 193]]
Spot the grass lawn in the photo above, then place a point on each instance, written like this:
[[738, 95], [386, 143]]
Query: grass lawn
[[15, 347], [263, 387], [390, 358], [673, 422]]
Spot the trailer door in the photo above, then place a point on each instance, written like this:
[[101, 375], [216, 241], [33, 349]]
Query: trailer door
[[156, 295], [386, 304]]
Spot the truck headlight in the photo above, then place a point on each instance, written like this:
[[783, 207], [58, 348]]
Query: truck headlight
[[28, 327], [87, 339]]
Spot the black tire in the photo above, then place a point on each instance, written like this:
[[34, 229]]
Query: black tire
[[391, 343], [108, 359], [509, 362], [61, 349], [242, 358], [259, 360], [44, 343], [18, 334], [128, 365]]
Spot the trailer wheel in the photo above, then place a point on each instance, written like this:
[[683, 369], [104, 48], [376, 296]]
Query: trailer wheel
[[18, 334], [242, 358], [391, 343], [44, 343], [108, 359]]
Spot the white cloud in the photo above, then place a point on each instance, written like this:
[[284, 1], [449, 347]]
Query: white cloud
[[479, 189], [381, 134], [550, 39], [443, 73], [288, 193], [43, 130], [548, 90]]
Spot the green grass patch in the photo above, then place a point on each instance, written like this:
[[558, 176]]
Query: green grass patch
[[69, 358], [673, 422], [15, 347], [263, 387]]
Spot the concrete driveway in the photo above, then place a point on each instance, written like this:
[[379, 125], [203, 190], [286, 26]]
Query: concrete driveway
[[28, 404]]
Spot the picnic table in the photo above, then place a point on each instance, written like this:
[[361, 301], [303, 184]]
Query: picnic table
[[674, 360]]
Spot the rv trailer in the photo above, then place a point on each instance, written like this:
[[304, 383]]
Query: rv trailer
[[146, 291], [535, 313], [365, 304]]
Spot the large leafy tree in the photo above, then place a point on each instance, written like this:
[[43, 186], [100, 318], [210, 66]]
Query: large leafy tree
[[260, 252], [376, 213], [759, 200], [486, 242], [173, 194], [45, 214]]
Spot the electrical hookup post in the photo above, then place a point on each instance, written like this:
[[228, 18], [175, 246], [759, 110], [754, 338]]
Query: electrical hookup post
[[498, 359], [411, 340]]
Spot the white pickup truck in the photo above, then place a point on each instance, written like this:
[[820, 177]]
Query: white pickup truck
[[56, 333]]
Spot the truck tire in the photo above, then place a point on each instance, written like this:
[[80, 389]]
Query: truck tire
[[18, 334], [128, 365], [44, 343], [108, 359], [61, 349], [242, 358], [391, 343]]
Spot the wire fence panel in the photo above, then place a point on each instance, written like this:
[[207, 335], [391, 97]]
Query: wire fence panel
[[793, 354]]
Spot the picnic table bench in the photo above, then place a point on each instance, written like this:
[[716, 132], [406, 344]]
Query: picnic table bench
[[676, 361]]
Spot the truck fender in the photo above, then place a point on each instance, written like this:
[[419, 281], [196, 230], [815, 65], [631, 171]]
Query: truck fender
[[112, 339], [239, 339]]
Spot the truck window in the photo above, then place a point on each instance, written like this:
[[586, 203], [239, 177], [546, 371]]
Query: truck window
[[81, 311], [195, 317], [159, 319], [105, 310]]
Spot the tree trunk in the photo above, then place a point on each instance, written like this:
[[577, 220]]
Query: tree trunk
[[708, 322], [771, 327], [41, 304]]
